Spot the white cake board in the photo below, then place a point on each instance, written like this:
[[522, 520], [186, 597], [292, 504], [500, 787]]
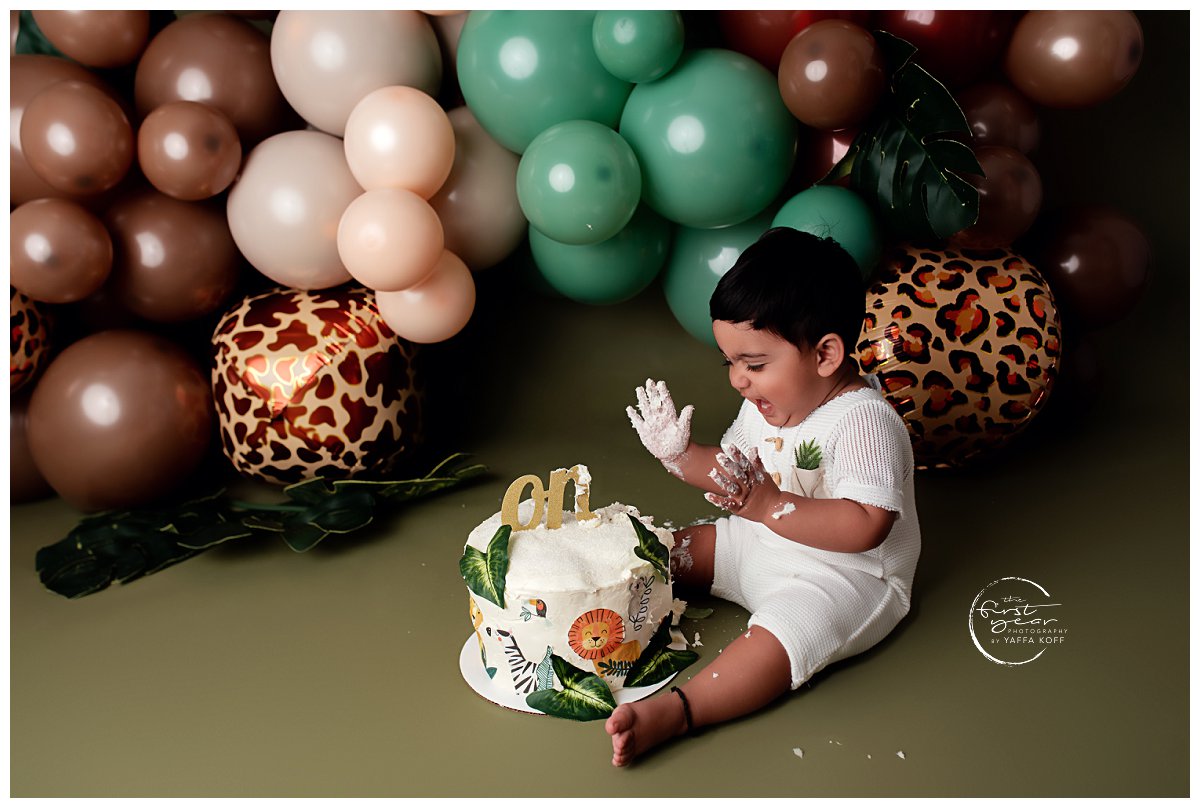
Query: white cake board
[[471, 667]]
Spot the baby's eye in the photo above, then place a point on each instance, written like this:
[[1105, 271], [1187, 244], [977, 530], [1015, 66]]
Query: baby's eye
[[754, 368], [725, 363]]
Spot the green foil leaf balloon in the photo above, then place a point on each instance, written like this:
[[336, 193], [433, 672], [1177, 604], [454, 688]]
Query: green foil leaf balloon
[[584, 697], [909, 157]]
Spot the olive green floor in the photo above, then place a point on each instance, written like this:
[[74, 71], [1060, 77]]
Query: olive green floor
[[252, 670]]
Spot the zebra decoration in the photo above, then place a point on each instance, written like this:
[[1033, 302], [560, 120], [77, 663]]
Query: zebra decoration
[[527, 676]]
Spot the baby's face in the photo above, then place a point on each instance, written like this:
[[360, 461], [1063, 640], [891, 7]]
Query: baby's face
[[770, 372]]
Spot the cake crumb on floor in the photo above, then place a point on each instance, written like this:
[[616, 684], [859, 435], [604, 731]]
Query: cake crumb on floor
[[798, 752], [900, 755]]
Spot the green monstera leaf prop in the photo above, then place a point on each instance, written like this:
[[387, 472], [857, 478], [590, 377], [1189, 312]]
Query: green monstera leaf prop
[[658, 661], [909, 157], [584, 697], [651, 549], [484, 572]]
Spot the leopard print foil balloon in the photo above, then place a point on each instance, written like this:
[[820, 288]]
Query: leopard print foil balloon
[[966, 345], [28, 345], [314, 384]]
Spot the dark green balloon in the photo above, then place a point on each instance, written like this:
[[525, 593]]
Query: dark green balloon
[[714, 139], [698, 260], [608, 272], [638, 46], [578, 182], [521, 72]]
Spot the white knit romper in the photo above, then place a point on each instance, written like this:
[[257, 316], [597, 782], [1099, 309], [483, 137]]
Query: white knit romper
[[823, 605]]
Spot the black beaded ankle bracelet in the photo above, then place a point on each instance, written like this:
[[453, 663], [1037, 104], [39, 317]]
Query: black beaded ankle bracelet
[[687, 708]]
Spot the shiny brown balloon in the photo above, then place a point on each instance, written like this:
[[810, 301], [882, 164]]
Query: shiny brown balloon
[[58, 251], [172, 260], [1097, 261], [219, 60], [1010, 196], [189, 150], [28, 75], [76, 138], [831, 75], [26, 480], [1000, 116], [1072, 59], [119, 419], [96, 38]]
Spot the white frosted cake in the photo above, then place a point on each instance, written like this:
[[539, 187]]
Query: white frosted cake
[[580, 591]]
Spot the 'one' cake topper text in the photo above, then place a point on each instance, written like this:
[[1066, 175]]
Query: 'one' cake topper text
[[550, 501]]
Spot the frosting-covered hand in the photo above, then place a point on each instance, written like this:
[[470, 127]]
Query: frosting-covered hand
[[665, 433], [747, 486]]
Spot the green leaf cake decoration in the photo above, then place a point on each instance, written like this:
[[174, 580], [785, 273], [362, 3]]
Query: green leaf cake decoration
[[909, 157], [651, 549], [658, 661], [484, 573], [584, 697]]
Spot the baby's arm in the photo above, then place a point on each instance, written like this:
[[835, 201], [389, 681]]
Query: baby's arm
[[840, 525], [668, 436]]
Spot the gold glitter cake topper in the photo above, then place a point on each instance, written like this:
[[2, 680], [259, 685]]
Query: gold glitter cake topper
[[547, 500]]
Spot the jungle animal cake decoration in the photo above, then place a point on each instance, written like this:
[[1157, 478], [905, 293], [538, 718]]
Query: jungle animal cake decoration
[[570, 610]]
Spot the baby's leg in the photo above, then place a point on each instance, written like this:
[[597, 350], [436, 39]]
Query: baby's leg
[[750, 673], [692, 558]]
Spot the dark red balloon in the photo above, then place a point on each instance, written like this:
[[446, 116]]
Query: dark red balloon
[[762, 35], [1097, 261], [955, 46]]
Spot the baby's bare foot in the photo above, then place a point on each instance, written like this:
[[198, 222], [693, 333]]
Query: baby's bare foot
[[638, 727]]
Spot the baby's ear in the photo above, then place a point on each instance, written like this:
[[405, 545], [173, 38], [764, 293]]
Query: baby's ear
[[831, 352]]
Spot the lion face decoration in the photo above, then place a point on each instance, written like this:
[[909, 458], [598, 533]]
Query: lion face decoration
[[596, 634]]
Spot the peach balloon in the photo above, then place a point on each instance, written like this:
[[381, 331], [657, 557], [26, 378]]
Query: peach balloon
[[284, 210], [478, 205], [188, 150], [390, 239], [326, 61], [399, 137], [434, 310]]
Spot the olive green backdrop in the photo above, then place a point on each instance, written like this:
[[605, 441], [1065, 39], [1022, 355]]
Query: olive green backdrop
[[251, 670]]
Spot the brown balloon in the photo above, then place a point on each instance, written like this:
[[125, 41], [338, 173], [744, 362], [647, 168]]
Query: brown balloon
[[28, 75], [189, 150], [1000, 116], [76, 138], [119, 419], [58, 251], [26, 481], [831, 74], [1010, 196], [172, 260], [219, 60], [96, 38], [1097, 261], [1072, 59]]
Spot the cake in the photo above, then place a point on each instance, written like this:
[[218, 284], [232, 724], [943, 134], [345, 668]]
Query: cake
[[592, 591]]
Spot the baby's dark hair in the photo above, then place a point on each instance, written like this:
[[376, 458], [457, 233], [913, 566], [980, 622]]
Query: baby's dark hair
[[795, 285]]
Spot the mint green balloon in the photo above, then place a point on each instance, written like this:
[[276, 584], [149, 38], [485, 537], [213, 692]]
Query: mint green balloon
[[698, 260], [714, 139], [578, 182], [838, 213], [524, 71], [608, 272], [638, 45]]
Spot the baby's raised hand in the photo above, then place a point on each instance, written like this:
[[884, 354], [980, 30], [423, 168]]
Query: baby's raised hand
[[665, 433], [747, 486]]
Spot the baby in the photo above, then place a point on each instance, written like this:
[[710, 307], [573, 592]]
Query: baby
[[816, 473]]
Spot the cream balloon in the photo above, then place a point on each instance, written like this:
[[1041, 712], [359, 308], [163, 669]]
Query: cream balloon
[[435, 309], [326, 61], [449, 28], [284, 210], [399, 137], [477, 204], [390, 239]]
